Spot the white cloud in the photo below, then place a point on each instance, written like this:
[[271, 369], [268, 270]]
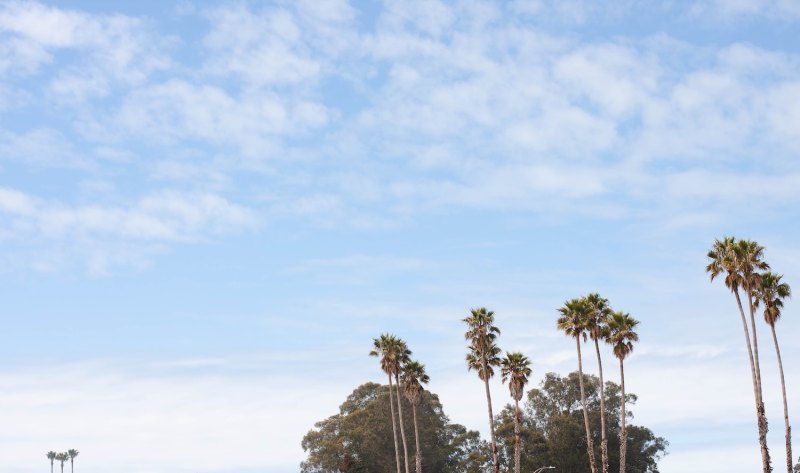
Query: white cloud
[[40, 147], [743, 9], [115, 49], [177, 111], [108, 235]]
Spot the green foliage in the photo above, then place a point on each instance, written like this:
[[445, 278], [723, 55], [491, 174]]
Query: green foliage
[[359, 438], [553, 432]]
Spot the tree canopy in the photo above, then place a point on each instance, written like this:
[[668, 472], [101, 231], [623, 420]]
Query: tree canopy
[[358, 438], [553, 434]]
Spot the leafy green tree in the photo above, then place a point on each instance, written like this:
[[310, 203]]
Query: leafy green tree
[[574, 322], [388, 348], [621, 335], [353, 440], [552, 426], [483, 356], [739, 261], [771, 294], [72, 453], [414, 377], [51, 455], [515, 370]]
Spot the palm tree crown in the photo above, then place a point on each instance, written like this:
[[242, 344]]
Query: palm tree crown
[[599, 312], [393, 353], [750, 259], [621, 334], [515, 370], [574, 318], [771, 293], [414, 376], [482, 335]]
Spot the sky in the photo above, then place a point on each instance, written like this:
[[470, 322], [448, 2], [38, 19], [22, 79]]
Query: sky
[[209, 210]]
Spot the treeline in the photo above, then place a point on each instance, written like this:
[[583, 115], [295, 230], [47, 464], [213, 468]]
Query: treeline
[[589, 317], [523, 436], [358, 438]]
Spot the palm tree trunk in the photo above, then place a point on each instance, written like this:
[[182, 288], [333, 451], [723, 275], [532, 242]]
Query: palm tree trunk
[[603, 439], [400, 416], [623, 433], [785, 406], [761, 417], [495, 456], [589, 443], [418, 456], [394, 426], [752, 311], [517, 439]]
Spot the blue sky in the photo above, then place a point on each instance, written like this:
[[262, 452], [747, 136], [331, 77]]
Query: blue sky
[[207, 212]]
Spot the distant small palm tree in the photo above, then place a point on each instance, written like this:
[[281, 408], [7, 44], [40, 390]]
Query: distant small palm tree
[[413, 377], [62, 457], [573, 322], [771, 293], [482, 357], [621, 336], [51, 455], [72, 454], [515, 370]]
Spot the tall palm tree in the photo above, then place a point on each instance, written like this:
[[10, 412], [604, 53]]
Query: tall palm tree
[[736, 262], [482, 357], [402, 356], [414, 377], [51, 455], [383, 347], [621, 335], [515, 369], [771, 293], [62, 457], [573, 322], [72, 454], [598, 329], [750, 257]]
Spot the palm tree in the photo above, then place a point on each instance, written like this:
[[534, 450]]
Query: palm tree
[[62, 457], [771, 293], [750, 257], [72, 454], [383, 347], [51, 455], [414, 377], [482, 357], [621, 336], [598, 329], [737, 263], [402, 356], [573, 322], [516, 369]]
